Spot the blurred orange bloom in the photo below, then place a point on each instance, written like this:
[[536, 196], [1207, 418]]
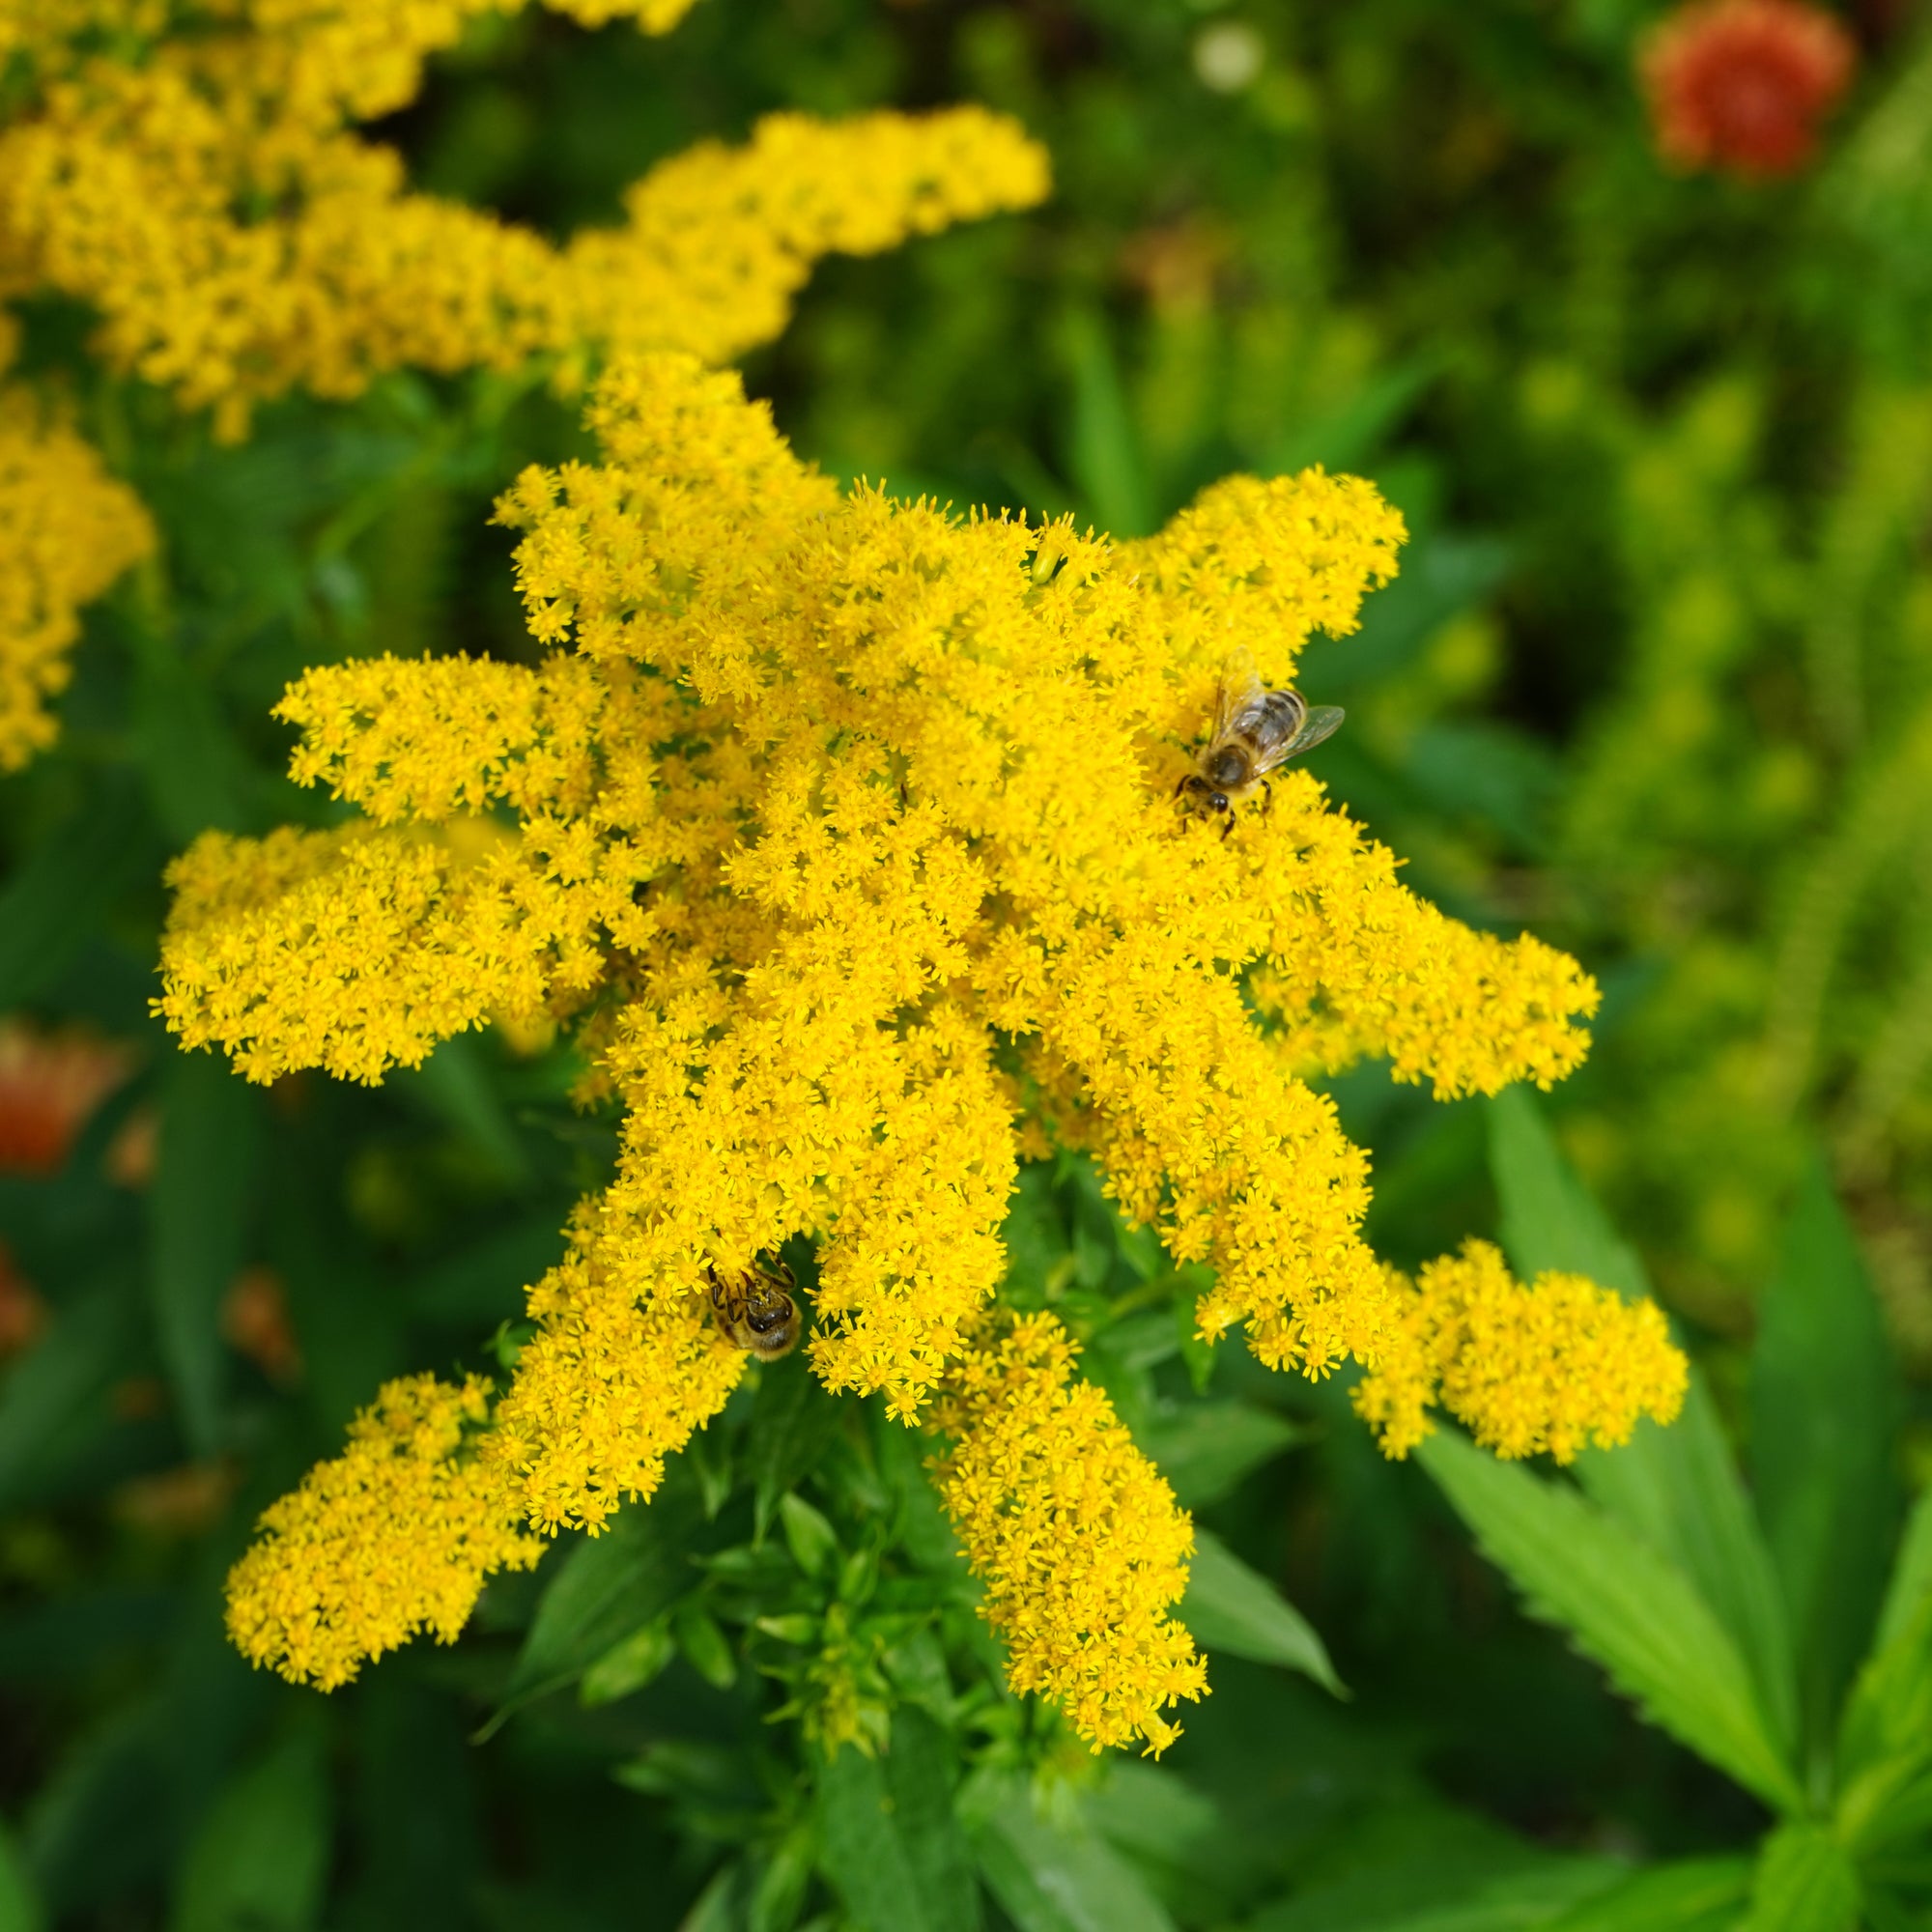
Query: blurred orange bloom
[[255, 1323], [50, 1084], [184, 1501], [22, 1313], [1741, 85]]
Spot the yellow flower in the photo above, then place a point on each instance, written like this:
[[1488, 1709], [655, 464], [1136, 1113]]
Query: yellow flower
[[1557, 1365], [68, 529], [842, 832], [203, 188], [210, 198], [392, 1537], [1075, 1534]]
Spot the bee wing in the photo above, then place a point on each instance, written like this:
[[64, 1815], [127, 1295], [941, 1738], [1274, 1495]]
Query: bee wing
[[1241, 687], [1320, 723]]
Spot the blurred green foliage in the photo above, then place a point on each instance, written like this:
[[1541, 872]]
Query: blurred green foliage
[[1657, 680]]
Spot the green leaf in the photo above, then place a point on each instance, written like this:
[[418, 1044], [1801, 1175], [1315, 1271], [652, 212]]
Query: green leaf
[[1053, 1876], [720, 1905], [628, 1666], [782, 1883], [807, 1535], [608, 1585], [59, 898], [19, 1903], [198, 775], [1524, 1901], [1348, 434], [792, 1422], [706, 1647], [1884, 1741], [887, 1838], [1206, 1448], [201, 1201], [1625, 1606], [1199, 1859], [1417, 1864], [1694, 1895], [260, 1860], [59, 1400], [1677, 1488], [1228, 1607], [454, 1086], [1104, 456], [1911, 1580], [1805, 1882], [922, 1768], [1824, 1399]]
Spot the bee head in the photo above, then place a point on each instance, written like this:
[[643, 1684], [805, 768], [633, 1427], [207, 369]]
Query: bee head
[[771, 1322]]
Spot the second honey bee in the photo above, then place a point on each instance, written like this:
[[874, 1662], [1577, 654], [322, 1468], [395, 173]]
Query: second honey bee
[[757, 1310], [1256, 730]]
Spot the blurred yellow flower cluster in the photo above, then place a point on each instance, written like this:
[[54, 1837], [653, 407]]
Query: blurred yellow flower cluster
[[841, 830], [194, 175], [68, 529]]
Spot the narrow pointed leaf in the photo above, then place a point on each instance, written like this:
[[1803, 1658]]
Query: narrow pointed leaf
[[1805, 1882], [1692, 1896], [1055, 1875], [1231, 1607], [19, 1903], [1825, 1397], [1678, 1488], [887, 1838], [1624, 1606], [1911, 1580], [203, 1200], [261, 1859]]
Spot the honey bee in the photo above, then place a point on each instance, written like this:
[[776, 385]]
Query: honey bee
[[1255, 730], [755, 1310]]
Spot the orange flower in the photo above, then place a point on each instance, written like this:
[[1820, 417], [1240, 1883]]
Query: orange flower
[[1740, 85], [255, 1321], [50, 1084], [22, 1312]]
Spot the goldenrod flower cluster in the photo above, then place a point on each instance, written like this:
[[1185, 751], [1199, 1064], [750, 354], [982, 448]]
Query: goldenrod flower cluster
[[390, 1538], [194, 175], [208, 194], [1078, 1537], [842, 830], [1554, 1365], [68, 529]]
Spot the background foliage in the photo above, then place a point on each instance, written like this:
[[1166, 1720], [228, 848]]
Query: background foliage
[[1655, 680]]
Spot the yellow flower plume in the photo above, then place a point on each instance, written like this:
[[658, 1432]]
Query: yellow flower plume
[[1075, 1534], [390, 1538], [208, 195], [68, 529], [842, 830], [1555, 1366]]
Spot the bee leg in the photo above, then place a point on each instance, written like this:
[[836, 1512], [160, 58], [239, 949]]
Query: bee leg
[[1268, 797], [1228, 828]]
